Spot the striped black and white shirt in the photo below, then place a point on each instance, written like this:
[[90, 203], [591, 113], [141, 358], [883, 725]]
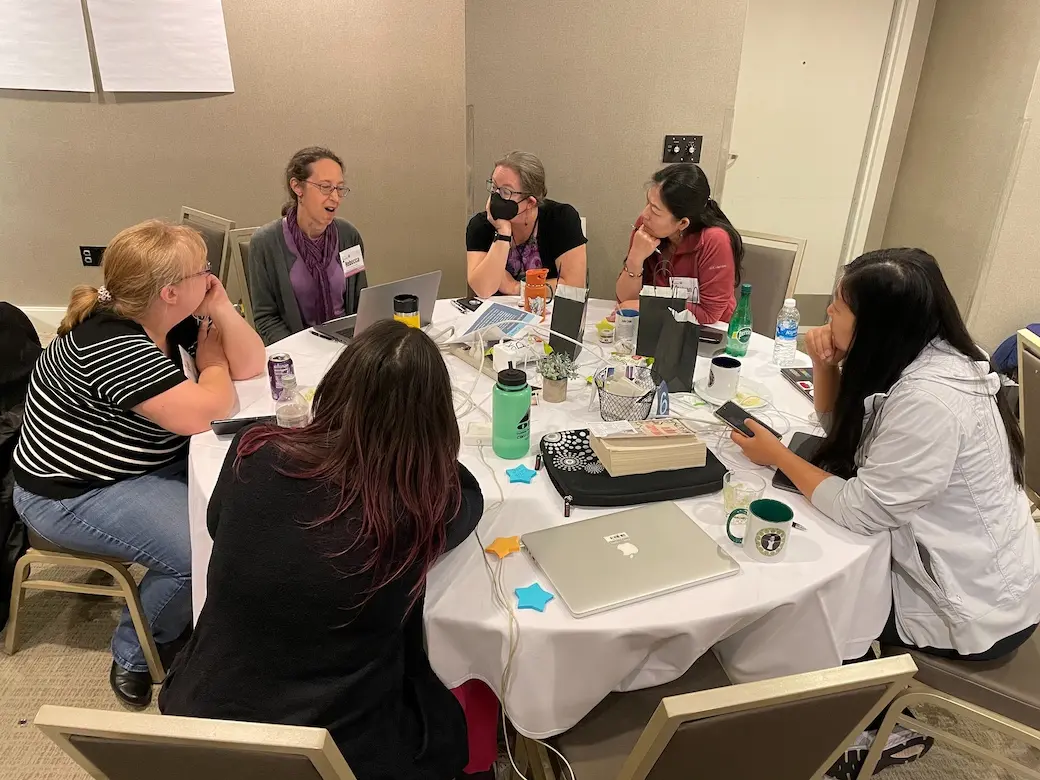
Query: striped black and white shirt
[[80, 431]]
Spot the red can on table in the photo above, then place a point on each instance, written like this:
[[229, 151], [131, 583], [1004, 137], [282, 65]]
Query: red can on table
[[278, 366]]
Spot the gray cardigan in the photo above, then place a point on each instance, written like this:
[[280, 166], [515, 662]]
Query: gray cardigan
[[275, 311]]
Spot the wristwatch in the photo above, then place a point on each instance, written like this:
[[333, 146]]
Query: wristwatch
[[500, 237]]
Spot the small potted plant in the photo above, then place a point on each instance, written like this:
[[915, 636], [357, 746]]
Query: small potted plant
[[556, 368]]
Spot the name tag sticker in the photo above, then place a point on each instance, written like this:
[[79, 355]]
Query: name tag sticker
[[352, 260]]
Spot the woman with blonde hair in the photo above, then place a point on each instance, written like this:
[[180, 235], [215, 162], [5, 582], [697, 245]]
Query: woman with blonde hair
[[521, 229], [100, 465]]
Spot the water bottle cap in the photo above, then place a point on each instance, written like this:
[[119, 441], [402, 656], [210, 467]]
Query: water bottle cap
[[789, 303], [512, 377]]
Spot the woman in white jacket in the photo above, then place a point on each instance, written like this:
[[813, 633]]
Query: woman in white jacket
[[920, 445]]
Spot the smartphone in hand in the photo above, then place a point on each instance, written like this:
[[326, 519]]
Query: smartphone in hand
[[734, 417]]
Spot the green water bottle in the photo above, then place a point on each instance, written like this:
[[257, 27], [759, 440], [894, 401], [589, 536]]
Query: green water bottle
[[511, 415], [739, 334]]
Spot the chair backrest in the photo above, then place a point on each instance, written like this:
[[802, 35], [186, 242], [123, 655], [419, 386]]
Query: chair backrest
[[790, 728], [771, 264], [237, 284], [128, 746], [214, 231], [1029, 404]]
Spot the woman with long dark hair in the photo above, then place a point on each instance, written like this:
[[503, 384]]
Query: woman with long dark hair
[[322, 540], [922, 445], [683, 239]]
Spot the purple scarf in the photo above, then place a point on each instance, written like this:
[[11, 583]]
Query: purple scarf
[[316, 255]]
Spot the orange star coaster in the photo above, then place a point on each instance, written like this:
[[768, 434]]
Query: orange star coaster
[[504, 545]]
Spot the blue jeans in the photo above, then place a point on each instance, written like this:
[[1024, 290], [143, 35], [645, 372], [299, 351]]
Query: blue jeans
[[143, 519]]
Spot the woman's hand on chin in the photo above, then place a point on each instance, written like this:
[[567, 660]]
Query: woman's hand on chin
[[216, 298]]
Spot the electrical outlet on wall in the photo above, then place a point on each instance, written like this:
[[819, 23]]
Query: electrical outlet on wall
[[682, 148], [91, 255]]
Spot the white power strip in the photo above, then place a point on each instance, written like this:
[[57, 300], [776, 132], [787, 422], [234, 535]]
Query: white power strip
[[477, 434]]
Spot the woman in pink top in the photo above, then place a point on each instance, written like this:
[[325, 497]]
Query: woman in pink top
[[682, 239]]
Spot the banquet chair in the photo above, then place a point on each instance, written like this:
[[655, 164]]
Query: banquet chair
[[771, 265], [238, 271], [125, 587], [128, 746], [1001, 695], [789, 728], [1029, 408], [214, 231]]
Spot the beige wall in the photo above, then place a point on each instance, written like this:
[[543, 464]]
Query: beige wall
[[978, 71], [375, 80], [1007, 298], [808, 75], [592, 87]]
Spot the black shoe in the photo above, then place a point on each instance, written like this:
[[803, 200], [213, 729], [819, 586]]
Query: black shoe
[[168, 652], [134, 689]]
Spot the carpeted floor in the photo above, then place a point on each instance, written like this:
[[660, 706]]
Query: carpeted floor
[[64, 659]]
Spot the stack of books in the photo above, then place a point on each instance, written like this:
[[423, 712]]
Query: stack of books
[[650, 445]]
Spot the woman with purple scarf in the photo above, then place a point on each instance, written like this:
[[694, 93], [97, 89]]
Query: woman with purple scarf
[[307, 267]]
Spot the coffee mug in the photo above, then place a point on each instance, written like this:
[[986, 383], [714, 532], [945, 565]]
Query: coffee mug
[[723, 377], [767, 530]]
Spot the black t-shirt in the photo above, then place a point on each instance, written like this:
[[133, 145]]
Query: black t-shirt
[[559, 231], [80, 431]]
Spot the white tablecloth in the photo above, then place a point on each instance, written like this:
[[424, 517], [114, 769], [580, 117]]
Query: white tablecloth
[[826, 601]]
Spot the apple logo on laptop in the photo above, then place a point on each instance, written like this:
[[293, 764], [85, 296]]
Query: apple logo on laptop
[[627, 549]]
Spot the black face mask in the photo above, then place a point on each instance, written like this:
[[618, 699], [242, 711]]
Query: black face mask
[[502, 208]]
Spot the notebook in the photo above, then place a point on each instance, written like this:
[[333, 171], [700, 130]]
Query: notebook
[[612, 560]]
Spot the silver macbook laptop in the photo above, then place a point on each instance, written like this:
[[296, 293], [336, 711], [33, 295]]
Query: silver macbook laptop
[[607, 561], [377, 303]]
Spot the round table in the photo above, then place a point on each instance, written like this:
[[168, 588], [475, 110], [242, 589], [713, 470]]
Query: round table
[[827, 600]]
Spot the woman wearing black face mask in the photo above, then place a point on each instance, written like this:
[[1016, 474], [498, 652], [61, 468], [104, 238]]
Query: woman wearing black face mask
[[521, 229]]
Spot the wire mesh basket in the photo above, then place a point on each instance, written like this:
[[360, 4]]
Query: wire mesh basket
[[625, 393]]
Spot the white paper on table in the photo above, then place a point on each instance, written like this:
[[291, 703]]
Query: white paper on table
[[43, 45], [161, 45]]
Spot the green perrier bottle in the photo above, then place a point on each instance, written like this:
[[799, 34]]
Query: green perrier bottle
[[740, 325]]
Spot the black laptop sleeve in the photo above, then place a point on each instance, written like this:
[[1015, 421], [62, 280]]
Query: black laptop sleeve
[[577, 473]]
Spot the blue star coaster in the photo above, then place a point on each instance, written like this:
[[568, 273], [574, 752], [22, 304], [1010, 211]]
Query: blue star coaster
[[521, 474], [533, 597]]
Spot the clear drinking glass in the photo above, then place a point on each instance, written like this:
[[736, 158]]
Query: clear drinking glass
[[739, 489], [626, 330]]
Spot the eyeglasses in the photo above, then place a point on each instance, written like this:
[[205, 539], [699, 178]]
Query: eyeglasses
[[504, 192], [326, 189], [204, 272]]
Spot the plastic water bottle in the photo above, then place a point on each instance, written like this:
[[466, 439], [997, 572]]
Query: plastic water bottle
[[291, 410], [786, 344]]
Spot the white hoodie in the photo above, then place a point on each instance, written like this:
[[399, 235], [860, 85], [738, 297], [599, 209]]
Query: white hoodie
[[934, 469]]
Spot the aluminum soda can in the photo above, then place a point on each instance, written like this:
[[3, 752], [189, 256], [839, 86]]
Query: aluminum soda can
[[278, 366]]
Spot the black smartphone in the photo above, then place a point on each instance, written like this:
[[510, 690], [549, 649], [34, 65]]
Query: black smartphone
[[469, 304], [805, 446], [232, 426], [711, 335], [734, 417]]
